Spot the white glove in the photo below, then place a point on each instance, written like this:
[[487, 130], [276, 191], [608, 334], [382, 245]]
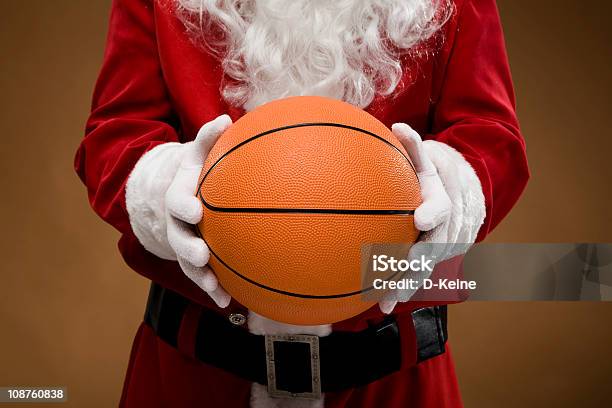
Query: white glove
[[453, 207], [163, 208]]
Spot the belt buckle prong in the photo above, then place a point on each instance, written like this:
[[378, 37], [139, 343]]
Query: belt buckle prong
[[315, 365]]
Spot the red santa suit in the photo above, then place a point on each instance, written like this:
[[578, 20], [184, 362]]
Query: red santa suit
[[156, 86]]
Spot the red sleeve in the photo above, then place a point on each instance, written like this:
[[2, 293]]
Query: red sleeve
[[131, 112], [475, 111]]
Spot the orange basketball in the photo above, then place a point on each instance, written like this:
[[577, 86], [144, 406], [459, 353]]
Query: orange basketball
[[291, 192]]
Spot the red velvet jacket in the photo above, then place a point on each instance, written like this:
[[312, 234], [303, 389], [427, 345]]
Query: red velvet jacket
[[156, 86]]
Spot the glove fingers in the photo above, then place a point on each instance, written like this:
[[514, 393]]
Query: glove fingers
[[186, 243], [193, 272], [435, 209], [413, 144], [182, 203], [387, 306], [220, 297], [180, 197], [204, 141], [206, 280], [200, 275], [209, 280], [185, 209]]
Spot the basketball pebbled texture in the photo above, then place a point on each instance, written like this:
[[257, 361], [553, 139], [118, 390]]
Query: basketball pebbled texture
[[291, 192]]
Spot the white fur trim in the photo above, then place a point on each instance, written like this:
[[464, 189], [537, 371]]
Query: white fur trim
[[465, 191], [259, 394], [145, 195], [262, 325]]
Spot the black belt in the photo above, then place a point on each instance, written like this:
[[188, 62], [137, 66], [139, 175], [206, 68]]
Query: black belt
[[297, 365]]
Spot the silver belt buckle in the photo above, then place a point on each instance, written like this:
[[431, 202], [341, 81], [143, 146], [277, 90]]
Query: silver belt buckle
[[315, 365]]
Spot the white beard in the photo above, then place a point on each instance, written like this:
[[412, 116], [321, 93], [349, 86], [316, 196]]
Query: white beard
[[343, 49]]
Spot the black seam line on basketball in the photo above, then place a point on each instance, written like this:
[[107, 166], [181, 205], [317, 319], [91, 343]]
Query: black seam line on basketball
[[284, 292], [298, 125], [303, 210]]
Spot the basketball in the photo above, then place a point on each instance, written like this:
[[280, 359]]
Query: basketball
[[291, 192]]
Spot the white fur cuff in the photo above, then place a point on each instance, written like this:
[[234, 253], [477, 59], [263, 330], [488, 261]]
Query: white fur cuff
[[465, 191], [145, 194]]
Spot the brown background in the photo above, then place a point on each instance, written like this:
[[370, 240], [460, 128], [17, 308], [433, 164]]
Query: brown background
[[69, 306]]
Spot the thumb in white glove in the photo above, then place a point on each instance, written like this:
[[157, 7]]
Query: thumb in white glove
[[163, 208]]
